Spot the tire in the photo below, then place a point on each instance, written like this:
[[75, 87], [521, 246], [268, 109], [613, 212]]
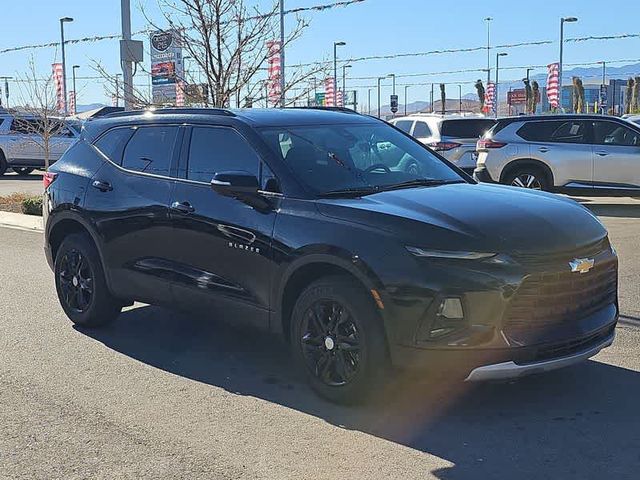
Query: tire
[[3, 163], [532, 177], [81, 285], [343, 355], [22, 170]]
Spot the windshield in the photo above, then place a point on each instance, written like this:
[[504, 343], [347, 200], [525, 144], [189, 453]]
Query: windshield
[[374, 157]]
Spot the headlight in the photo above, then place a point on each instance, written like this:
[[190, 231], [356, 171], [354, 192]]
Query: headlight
[[422, 252]]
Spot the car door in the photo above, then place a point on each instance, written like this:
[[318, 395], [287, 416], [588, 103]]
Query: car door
[[616, 158], [128, 200], [563, 145], [222, 245]]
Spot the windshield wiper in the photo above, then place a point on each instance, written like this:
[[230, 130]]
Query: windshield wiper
[[350, 192], [419, 182]]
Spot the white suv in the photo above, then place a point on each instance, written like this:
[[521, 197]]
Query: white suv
[[452, 136]]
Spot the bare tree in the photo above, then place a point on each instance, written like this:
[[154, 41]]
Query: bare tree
[[227, 41], [38, 118]]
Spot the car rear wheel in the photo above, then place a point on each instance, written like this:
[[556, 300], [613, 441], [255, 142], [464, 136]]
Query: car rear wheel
[[22, 170], [81, 285], [528, 177], [338, 339], [3, 164]]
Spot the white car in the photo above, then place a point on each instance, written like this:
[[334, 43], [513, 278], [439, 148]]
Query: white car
[[21, 142], [452, 136]]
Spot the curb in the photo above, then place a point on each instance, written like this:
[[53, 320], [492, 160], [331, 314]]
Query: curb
[[21, 222]]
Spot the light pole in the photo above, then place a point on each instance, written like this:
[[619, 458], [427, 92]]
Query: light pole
[[64, 20], [379, 80], [488, 20], [460, 98], [496, 97], [6, 90], [432, 110], [604, 72], [562, 21], [528, 70], [603, 87], [118, 89], [282, 83], [75, 92], [335, 69], [344, 82], [406, 87]]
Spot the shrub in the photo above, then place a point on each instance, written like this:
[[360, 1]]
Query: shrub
[[32, 206]]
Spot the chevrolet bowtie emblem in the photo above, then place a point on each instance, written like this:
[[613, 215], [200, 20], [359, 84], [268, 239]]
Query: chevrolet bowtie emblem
[[581, 265]]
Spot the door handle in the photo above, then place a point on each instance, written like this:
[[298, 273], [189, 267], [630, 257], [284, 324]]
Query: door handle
[[602, 154], [543, 149], [102, 186], [183, 207]]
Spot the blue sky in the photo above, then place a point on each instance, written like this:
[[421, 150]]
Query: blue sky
[[374, 27]]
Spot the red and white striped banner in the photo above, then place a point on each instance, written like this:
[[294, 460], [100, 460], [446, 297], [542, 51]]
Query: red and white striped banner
[[274, 72], [58, 81], [72, 102], [329, 92], [180, 94], [553, 84], [340, 99], [489, 97]]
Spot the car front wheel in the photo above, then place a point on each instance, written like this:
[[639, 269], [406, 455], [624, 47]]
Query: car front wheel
[[338, 338], [81, 285], [532, 178]]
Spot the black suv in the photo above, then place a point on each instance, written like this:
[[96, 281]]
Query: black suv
[[358, 244]]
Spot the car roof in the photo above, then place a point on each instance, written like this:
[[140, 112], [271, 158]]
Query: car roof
[[552, 117], [439, 116]]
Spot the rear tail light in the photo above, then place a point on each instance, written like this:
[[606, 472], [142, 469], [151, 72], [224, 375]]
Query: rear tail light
[[487, 143], [48, 178], [443, 146]]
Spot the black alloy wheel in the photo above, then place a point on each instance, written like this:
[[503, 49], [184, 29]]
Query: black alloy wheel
[[330, 342], [76, 281]]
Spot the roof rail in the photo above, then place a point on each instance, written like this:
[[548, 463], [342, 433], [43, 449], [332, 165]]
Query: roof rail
[[331, 109], [172, 111]]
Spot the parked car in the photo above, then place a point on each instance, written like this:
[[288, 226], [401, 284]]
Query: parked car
[[632, 118], [452, 136], [584, 154], [287, 221], [22, 145]]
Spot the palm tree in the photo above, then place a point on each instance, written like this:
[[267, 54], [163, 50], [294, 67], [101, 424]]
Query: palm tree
[[528, 95], [635, 97], [443, 97], [480, 90], [627, 95], [536, 96]]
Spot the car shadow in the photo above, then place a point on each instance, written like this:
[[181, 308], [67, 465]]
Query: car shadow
[[580, 422], [32, 177], [612, 210]]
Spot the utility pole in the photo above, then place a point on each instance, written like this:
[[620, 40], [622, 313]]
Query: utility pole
[[406, 87], [282, 84], [369, 102], [460, 97], [432, 110], [335, 71], [64, 20], [562, 21], [496, 97], [488, 20], [75, 92], [127, 65], [118, 75]]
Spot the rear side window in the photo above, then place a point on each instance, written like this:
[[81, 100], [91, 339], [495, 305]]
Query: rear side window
[[466, 128], [112, 143], [421, 130], [404, 125], [24, 126], [214, 150], [558, 131], [150, 150]]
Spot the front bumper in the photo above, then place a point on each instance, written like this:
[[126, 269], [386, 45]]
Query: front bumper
[[511, 369]]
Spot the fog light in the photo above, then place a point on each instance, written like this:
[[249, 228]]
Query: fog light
[[451, 308]]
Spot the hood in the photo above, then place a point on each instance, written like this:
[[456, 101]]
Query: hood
[[473, 217]]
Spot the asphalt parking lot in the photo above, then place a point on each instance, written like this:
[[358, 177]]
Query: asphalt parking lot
[[167, 395], [12, 183]]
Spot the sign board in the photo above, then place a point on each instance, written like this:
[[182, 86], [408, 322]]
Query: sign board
[[167, 65], [517, 97], [603, 97], [394, 103], [320, 99]]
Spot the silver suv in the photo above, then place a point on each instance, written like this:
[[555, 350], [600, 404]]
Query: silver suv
[[21, 142], [452, 136], [582, 154]]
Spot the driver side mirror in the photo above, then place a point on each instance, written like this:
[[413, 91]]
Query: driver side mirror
[[235, 184]]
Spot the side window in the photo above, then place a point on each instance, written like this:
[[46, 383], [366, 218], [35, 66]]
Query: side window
[[112, 143], [421, 130], [611, 133], [214, 150], [570, 132], [150, 150], [404, 125], [25, 126]]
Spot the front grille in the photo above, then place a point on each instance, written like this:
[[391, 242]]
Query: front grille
[[557, 258], [546, 299], [573, 346]]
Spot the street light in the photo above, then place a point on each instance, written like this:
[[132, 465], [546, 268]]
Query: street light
[[335, 68], [75, 92], [460, 98], [344, 82], [369, 101], [64, 20], [604, 72], [406, 87], [562, 21], [393, 75], [379, 80], [488, 20], [496, 97]]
